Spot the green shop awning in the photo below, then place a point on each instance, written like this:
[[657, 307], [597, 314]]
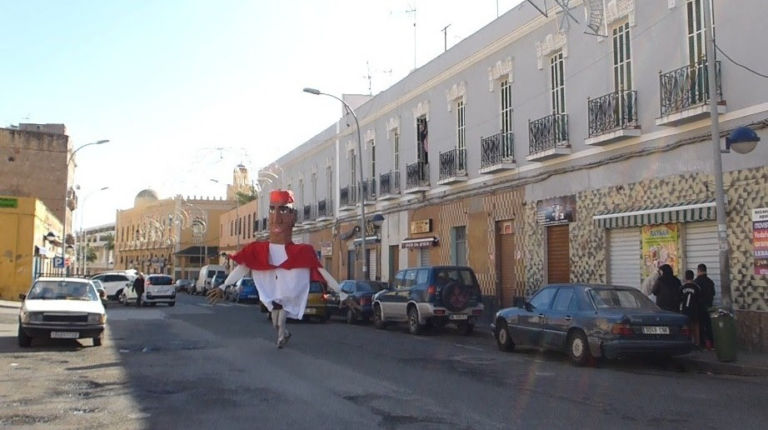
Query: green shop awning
[[699, 210]]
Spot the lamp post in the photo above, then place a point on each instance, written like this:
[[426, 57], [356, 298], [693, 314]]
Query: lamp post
[[66, 200], [83, 233], [360, 157]]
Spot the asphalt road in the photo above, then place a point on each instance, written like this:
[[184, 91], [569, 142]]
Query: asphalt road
[[196, 366]]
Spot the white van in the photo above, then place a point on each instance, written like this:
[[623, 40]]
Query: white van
[[207, 273]]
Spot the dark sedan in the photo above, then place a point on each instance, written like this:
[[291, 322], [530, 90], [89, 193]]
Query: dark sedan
[[589, 321], [356, 299]]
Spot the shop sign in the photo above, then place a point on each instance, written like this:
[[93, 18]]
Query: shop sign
[[421, 226], [660, 245], [560, 210], [9, 203], [326, 249], [760, 240], [421, 242]]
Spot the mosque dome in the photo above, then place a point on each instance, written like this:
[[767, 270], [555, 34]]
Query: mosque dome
[[145, 196]]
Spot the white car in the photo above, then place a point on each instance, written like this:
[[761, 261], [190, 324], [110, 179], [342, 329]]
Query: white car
[[114, 282], [61, 308], [157, 289]]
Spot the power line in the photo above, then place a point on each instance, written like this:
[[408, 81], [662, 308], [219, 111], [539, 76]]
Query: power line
[[739, 64]]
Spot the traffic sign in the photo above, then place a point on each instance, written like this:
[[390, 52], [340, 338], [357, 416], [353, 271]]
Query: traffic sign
[[58, 262]]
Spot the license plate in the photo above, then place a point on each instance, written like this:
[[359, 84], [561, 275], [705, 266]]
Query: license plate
[[458, 317], [309, 311], [656, 330], [64, 335]]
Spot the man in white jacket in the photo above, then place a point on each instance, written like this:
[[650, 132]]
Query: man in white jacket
[[280, 268]]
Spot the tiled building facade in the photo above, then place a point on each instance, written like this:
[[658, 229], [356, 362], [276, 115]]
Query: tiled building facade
[[537, 153]]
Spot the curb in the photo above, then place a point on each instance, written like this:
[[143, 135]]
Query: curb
[[721, 368], [9, 304]]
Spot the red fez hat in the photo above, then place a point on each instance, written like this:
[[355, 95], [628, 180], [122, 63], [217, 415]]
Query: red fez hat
[[281, 198]]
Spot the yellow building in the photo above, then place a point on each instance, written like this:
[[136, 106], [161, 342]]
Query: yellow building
[[27, 243], [175, 236]]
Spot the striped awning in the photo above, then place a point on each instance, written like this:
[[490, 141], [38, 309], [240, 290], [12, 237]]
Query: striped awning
[[700, 210]]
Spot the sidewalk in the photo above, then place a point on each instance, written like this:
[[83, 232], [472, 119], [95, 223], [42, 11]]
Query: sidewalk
[[746, 364], [9, 304]]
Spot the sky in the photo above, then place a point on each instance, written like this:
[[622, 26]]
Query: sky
[[187, 89]]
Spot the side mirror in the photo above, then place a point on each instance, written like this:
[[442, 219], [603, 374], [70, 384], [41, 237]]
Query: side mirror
[[22, 296]]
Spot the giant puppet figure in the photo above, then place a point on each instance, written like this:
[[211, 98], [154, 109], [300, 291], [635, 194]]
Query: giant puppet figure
[[280, 268]]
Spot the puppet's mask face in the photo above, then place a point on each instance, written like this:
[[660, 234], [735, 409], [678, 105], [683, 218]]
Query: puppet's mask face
[[281, 222]]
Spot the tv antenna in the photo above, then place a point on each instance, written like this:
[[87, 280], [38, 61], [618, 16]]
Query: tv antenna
[[369, 76], [445, 37], [413, 11]]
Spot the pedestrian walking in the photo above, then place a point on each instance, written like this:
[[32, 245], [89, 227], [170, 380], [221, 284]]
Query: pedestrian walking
[[667, 289], [138, 287], [690, 305], [707, 297], [281, 269]]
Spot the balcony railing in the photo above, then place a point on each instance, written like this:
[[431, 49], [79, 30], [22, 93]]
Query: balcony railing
[[324, 209], [308, 214], [613, 111], [453, 163], [416, 175], [389, 183], [369, 190], [348, 196], [687, 87], [497, 149], [550, 132], [264, 224]]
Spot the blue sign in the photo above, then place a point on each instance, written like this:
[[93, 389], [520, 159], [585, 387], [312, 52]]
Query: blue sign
[[58, 262]]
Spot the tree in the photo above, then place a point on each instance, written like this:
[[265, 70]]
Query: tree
[[90, 254], [110, 242], [244, 197]]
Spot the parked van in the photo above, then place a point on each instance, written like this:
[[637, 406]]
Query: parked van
[[207, 273]]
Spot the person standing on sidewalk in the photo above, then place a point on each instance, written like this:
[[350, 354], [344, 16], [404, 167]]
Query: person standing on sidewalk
[[690, 305], [281, 269], [667, 289], [707, 297]]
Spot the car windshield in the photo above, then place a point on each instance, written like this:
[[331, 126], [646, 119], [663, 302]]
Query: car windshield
[[62, 290], [619, 298], [315, 287]]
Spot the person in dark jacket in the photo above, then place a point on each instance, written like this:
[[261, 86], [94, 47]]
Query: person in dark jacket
[[690, 305], [138, 287], [706, 299], [667, 289]]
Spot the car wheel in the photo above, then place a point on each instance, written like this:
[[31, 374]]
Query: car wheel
[[24, 340], [503, 339], [378, 320], [97, 341], [350, 316], [466, 328], [578, 348], [414, 327]]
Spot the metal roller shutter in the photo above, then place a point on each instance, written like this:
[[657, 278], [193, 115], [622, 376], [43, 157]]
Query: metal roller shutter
[[558, 255], [624, 258], [373, 267], [701, 247], [423, 257]]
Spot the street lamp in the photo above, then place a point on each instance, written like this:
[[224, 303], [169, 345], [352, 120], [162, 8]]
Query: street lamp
[[83, 233], [360, 190], [66, 200]]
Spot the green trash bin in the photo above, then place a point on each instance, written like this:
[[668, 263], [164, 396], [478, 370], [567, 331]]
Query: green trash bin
[[724, 332]]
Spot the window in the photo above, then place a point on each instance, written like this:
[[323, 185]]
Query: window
[[563, 300], [461, 135], [459, 246], [622, 58], [396, 150], [352, 170], [301, 202], [558, 83], [506, 106], [314, 188], [422, 141], [372, 145], [249, 223], [695, 15], [422, 277], [543, 298]]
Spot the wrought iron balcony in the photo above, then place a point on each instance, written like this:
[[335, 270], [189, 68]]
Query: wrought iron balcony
[[416, 177], [324, 209], [497, 152], [308, 214], [453, 166], [264, 224], [348, 196], [389, 185], [369, 190], [687, 87], [548, 137], [612, 113]]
